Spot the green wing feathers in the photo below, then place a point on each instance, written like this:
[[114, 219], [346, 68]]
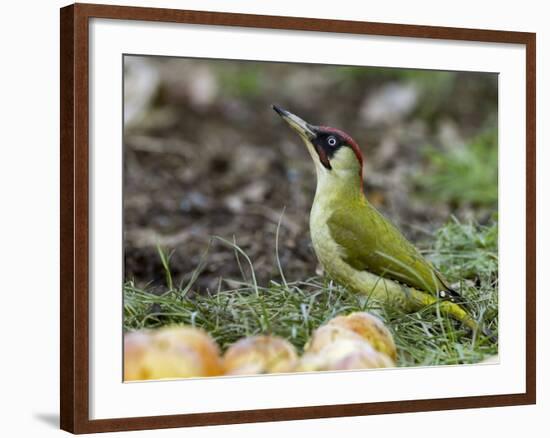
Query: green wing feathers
[[370, 242]]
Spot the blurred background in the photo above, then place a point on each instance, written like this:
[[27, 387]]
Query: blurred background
[[204, 155]]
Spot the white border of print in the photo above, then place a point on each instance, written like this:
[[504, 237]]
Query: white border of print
[[111, 398]]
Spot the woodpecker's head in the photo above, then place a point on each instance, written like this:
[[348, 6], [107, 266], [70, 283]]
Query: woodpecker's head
[[334, 152]]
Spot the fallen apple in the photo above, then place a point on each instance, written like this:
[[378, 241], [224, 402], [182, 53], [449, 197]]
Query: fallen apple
[[260, 355]]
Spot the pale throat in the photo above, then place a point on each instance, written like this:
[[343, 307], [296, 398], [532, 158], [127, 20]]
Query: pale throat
[[341, 183]]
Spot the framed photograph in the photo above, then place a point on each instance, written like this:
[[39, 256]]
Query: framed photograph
[[271, 218]]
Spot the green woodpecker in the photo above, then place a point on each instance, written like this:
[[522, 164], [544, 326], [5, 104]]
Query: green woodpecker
[[357, 246]]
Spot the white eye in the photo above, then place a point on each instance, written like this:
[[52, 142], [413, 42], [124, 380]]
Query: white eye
[[332, 141]]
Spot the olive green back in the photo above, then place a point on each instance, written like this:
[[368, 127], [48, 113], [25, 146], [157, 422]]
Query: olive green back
[[371, 242]]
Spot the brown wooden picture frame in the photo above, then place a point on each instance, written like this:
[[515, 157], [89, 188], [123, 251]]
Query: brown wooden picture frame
[[74, 271]]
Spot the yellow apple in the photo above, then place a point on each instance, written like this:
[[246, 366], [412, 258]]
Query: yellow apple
[[344, 354], [327, 334], [260, 355], [136, 345], [172, 352], [370, 328]]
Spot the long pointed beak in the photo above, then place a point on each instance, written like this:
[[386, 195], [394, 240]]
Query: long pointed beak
[[300, 126]]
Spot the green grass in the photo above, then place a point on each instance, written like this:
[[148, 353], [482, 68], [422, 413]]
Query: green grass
[[293, 309], [467, 174]]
